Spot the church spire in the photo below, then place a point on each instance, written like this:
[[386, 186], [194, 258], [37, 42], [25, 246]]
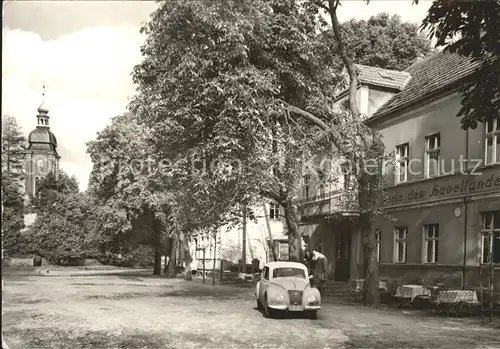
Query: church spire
[[43, 117]]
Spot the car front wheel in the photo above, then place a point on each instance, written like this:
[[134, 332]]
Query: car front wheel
[[268, 312], [259, 305]]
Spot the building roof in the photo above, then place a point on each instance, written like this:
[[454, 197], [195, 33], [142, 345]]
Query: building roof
[[382, 77], [429, 77], [42, 135]]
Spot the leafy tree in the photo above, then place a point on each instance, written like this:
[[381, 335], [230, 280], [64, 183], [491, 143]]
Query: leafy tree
[[12, 216], [253, 82], [357, 143], [50, 188], [124, 190], [12, 185], [13, 143], [383, 41], [60, 229], [210, 93], [140, 197], [470, 28]]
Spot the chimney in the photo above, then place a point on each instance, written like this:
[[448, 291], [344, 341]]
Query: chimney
[[420, 57]]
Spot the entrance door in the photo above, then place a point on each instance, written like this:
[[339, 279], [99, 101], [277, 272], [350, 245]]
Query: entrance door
[[342, 265]]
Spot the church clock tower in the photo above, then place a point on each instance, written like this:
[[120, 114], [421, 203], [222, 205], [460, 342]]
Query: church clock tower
[[41, 153]]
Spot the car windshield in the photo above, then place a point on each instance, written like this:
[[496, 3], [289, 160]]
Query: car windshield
[[289, 272]]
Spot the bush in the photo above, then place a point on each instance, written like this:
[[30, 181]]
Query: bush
[[138, 257]]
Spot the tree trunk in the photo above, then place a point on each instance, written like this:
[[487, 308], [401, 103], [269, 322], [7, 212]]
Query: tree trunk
[[165, 265], [172, 260], [367, 183], [349, 64], [157, 267], [187, 259], [371, 295], [244, 240], [366, 223], [294, 239]]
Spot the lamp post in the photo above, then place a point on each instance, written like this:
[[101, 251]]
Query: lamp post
[[203, 248], [244, 240], [214, 257]]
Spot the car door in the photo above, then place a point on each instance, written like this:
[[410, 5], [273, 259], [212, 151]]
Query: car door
[[263, 283]]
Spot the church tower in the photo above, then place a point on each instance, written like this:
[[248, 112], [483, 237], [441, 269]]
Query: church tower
[[41, 153]]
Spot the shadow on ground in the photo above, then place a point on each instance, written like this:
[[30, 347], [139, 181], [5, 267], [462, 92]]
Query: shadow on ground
[[54, 338]]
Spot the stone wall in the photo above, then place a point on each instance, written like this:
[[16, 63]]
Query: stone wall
[[17, 262], [28, 262]]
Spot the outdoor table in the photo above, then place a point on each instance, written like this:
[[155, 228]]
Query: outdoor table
[[456, 301], [357, 284], [408, 293]]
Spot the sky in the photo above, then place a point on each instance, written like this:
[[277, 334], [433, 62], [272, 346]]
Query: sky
[[84, 52]]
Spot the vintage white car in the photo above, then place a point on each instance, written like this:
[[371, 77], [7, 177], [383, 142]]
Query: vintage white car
[[285, 286]]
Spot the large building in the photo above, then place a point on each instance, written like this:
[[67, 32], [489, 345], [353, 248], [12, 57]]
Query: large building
[[41, 152], [227, 244], [443, 186]]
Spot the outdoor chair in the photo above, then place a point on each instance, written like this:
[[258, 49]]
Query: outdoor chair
[[457, 303], [387, 293], [404, 296], [355, 289]]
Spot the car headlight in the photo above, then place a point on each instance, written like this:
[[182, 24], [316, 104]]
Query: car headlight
[[279, 298], [311, 299]]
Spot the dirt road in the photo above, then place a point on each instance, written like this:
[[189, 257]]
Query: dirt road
[[142, 312]]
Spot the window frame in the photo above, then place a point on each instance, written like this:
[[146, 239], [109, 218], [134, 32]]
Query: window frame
[[306, 186], [274, 211], [321, 182], [429, 151], [402, 159], [434, 240], [494, 135], [345, 176], [397, 241], [265, 273], [280, 244], [486, 233]]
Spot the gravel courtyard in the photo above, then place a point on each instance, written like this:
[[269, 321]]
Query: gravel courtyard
[[112, 311]]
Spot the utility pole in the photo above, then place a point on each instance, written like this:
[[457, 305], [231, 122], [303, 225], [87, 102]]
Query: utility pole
[[215, 257], [244, 241], [202, 248], [204, 264]]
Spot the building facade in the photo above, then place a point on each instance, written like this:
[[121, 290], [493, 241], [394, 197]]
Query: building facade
[[444, 187], [443, 190], [227, 243]]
